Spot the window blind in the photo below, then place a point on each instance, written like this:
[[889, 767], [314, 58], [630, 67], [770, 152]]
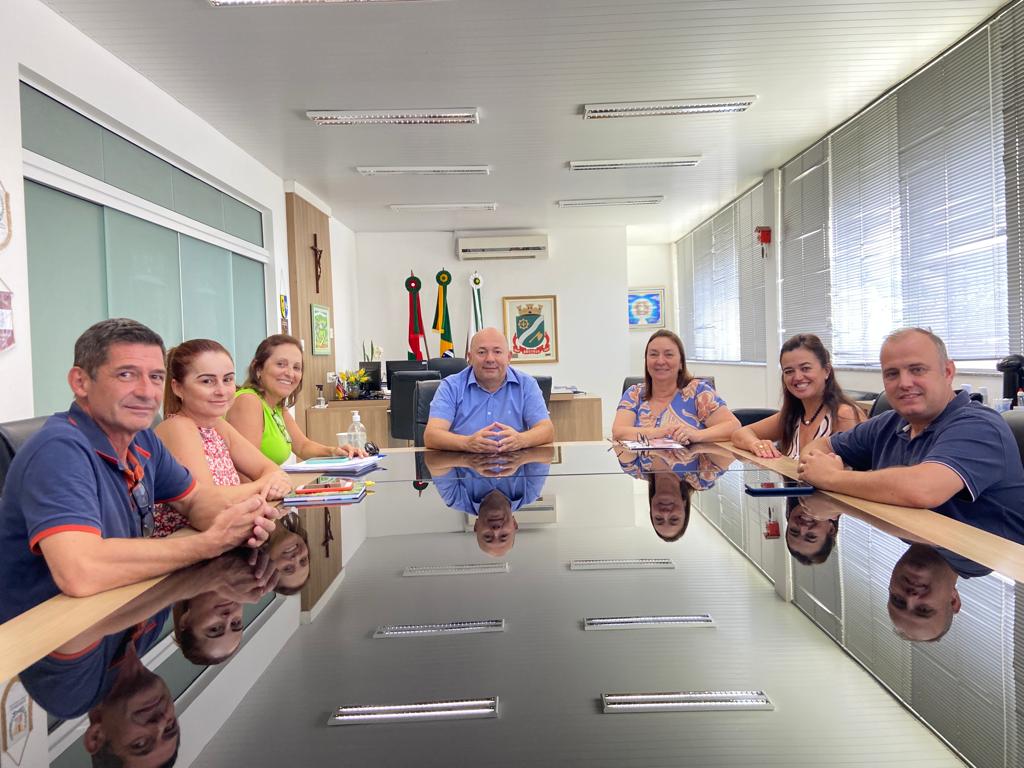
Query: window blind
[[1008, 72], [749, 212], [684, 290], [953, 234], [804, 267], [704, 338], [865, 271]]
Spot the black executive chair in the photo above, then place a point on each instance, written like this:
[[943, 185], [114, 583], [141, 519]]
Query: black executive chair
[[629, 381], [544, 382], [1015, 419], [748, 416], [881, 404], [446, 366], [860, 394], [13, 435], [403, 392], [423, 395]]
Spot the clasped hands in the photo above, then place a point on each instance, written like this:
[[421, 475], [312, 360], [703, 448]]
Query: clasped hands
[[819, 468], [246, 523], [495, 438]]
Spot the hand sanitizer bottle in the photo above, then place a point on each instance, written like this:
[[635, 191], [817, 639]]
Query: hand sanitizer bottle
[[356, 431]]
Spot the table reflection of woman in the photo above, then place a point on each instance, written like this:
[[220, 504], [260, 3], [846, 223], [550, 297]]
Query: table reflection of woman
[[812, 525], [672, 477], [671, 403], [491, 488], [288, 548]]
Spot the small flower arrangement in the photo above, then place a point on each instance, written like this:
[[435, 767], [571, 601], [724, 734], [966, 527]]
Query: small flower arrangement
[[371, 352], [349, 382]]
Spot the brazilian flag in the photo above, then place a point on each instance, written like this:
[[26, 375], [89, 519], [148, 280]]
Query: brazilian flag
[[443, 323]]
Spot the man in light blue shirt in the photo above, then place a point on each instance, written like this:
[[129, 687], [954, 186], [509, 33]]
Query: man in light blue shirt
[[488, 407]]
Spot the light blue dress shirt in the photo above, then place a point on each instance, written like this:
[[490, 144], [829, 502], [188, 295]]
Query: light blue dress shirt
[[468, 407]]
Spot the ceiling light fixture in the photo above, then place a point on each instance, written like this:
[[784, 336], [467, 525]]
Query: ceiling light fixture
[[656, 108], [455, 570], [645, 622], [609, 201], [460, 116], [232, 3], [424, 170], [650, 162], [685, 701], [461, 709], [428, 207]]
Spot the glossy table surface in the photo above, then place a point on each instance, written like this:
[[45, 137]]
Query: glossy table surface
[[815, 617]]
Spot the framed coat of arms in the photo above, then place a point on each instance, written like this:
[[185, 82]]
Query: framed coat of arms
[[531, 327]]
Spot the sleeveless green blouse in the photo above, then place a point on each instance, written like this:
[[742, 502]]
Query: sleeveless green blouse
[[276, 444]]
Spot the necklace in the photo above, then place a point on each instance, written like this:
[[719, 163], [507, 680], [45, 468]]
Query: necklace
[[808, 422]]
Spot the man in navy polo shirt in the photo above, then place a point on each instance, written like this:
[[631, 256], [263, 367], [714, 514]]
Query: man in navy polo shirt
[[488, 407], [77, 506], [936, 449]]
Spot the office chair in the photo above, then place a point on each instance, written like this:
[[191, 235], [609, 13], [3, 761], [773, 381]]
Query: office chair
[[629, 381], [423, 395], [1015, 419], [860, 394], [446, 366], [748, 416], [544, 382], [13, 435], [403, 392], [709, 379], [881, 404]]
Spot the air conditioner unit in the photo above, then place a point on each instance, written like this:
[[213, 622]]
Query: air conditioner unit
[[515, 247]]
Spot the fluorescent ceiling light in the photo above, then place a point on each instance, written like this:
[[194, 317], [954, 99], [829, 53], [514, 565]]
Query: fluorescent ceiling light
[[441, 628], [433, 207], [645, 622], [455, 570], [453, 116], [650, 162], [463, 709], [685, 701], [655, 108], [230, 3], [424, 170], [617, 564], [609, 201]]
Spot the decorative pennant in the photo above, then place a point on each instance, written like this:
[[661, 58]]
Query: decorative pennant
[[476, 309], [5, 217], [442, 322], [6, 317], [17, 725], [417, 339]]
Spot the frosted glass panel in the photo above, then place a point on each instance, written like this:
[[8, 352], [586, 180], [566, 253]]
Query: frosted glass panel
[[242, 221], [67, 289], [206, 295], [198, 200], [61, 134], [250, 310], [142, 274], [133, 169]]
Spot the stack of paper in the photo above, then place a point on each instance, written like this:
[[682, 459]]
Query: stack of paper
[[336, 465], [653, 444]]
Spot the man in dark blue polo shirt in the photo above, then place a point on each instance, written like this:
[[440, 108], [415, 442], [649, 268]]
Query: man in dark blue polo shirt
[[936, 449], [77, 506], [488, 407]]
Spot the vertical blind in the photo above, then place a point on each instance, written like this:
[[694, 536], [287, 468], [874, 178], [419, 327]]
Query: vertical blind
[[721, 284]]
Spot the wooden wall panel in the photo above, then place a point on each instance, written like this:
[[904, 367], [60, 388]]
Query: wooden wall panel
[[305, 220]]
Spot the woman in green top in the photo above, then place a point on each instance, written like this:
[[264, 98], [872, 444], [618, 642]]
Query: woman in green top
[[260, 408]]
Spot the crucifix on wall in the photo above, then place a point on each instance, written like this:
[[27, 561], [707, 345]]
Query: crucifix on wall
[[317, 266]]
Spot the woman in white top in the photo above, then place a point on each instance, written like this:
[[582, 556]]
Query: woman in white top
[[813, 403]]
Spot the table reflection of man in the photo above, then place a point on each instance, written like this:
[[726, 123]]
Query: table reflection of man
[[923, 598], [492, 488], [672, 477]]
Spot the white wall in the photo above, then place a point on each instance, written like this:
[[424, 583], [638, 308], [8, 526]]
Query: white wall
[[50, 52], [586, 271], [650, 266], [347, 353]]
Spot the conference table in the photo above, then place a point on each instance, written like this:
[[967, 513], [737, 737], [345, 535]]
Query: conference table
[[580, 604]]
